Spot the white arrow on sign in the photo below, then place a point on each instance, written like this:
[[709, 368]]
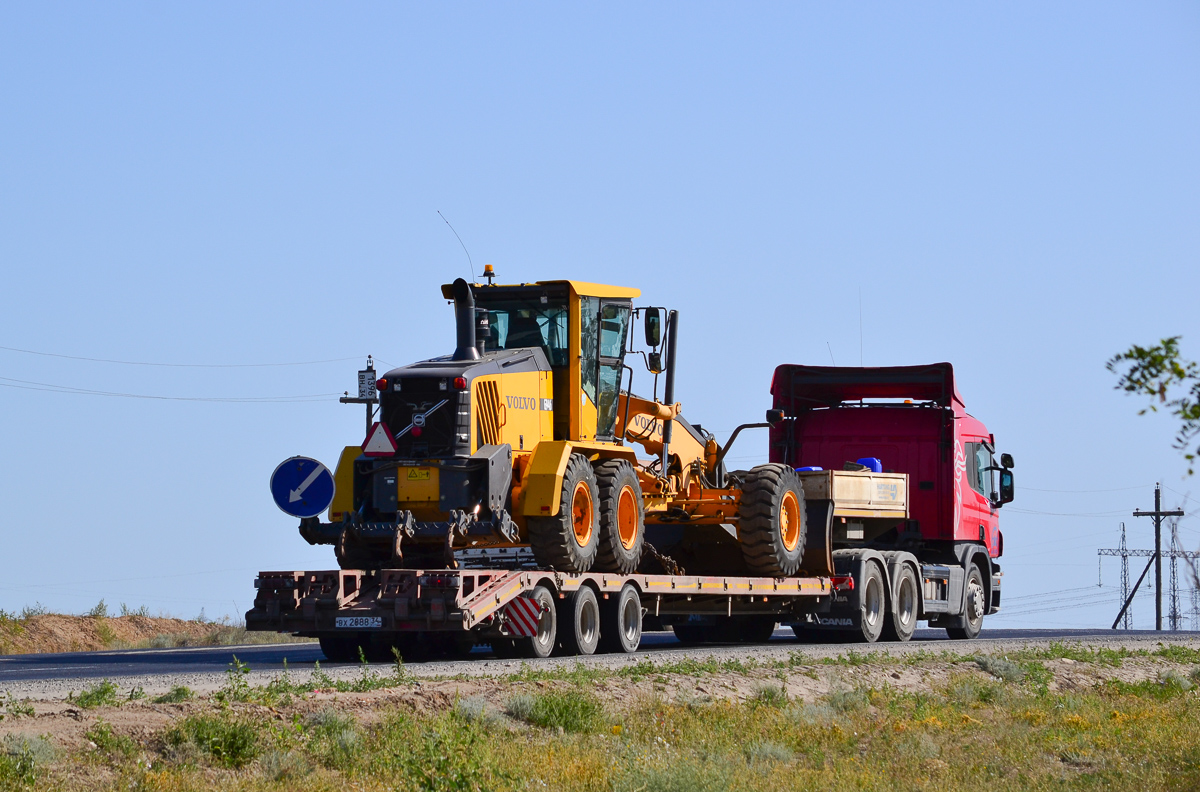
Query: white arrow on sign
[[298, 493]]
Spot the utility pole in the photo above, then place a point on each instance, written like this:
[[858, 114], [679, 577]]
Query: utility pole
[[1158, 515]]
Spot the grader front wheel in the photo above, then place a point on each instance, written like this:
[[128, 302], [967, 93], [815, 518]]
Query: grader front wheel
[[772, 522], [568, 542]]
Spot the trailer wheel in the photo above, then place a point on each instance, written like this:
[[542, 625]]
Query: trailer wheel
[[872, 603], [976, 607], [579, 632], [622, 517], [542, 644], [343, 647], [756, 629], [772, 521], [692, 633], [568, 541], [901, 620], [621, 621]]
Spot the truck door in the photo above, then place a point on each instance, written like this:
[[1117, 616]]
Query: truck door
[[614, 325], [979, 518]]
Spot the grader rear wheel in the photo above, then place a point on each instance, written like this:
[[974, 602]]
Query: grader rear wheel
[[622, 518], [568, 542], [772, 520]]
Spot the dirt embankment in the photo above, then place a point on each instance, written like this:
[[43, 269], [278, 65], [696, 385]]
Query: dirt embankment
[[53, 632]]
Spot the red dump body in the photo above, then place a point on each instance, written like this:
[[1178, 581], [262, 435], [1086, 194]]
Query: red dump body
[[913, 420]]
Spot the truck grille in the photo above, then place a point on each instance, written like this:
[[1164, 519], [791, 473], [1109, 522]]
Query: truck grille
[[428, 401], [489, 413]]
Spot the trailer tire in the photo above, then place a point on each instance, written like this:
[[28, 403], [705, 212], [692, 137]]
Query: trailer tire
[[872, 603], [343, 647], [622, 517], [579, 625], [621, 621], [772, 520], [901, 621], [689, 634], [976, 606], [568, 541], [542, 644], [755, 629]]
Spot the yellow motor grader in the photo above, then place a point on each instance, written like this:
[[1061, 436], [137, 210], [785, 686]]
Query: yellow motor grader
[[530, 436]]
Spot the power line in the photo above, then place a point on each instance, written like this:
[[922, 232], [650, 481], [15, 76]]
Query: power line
[[52, 388], [1068, 514], [176, 365], [1109, 489]]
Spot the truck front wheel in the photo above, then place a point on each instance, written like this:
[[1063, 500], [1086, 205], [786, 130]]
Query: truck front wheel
[[622, 520], [976, 607], [568, 542]]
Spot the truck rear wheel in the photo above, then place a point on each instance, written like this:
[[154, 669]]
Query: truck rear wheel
[[976, 607], [772, 523], [901, 620], [579, 632], [755, 629], [621, 621], [622, 518], [568, 541], [872, 603]]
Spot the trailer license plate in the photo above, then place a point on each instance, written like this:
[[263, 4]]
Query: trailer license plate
[[418, 474], [357, 622]]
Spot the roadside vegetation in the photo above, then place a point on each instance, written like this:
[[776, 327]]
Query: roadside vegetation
[[1064, 716], [35, 630]]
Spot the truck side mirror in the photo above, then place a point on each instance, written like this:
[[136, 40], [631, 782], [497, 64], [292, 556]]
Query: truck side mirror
[[774, 416], [1006, 486], [653, 327], [1006, 460], [654, 362]]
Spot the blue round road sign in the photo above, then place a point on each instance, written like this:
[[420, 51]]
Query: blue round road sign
[[302, 487]]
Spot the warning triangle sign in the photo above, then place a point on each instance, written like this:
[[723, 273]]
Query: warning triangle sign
[[379, 441]]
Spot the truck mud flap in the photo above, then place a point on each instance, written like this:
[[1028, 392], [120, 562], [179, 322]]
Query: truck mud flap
[[818, 544]]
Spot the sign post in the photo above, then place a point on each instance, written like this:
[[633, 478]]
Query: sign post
[[366, 392]]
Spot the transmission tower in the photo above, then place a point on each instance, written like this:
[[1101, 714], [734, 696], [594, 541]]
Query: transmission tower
[[1127, 619]]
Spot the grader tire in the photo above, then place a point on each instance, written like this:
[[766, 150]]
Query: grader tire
[[772, 522], [568, 542], [622, 518]]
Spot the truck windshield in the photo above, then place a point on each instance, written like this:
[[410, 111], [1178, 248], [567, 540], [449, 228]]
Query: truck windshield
[[529, 323]]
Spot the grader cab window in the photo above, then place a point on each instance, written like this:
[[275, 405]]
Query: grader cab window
[[614, 324], [529, 323]]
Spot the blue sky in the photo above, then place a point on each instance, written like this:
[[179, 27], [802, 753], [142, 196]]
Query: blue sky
[[1013, 188]]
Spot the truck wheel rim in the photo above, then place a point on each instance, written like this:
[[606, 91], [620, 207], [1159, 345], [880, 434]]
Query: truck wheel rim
[[581, 513], [630, 614], [589, 621], [872, 602], [789, 521], [627, 514], [906, 602]]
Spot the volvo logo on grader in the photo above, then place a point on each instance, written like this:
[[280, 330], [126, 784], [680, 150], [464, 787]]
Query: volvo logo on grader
[[614, 507]]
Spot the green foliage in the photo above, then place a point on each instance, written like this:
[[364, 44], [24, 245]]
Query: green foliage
[[688, 774], [100, 611], [1168, 379], [282, 766], [450, 760], [21, 758], [175, 695], [237, 687], [1178, 653], [117, 746], [16, 709], [142, 611], [845, 700], [765, 751], [1001, 668], [769, 695], [335, 738], [228, 741], [101, 694], [36, 609], [569, 710]]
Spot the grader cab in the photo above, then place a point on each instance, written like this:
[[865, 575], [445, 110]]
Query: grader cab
[[530, 435]]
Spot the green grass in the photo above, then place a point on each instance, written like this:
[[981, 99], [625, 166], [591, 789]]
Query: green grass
[[176, 695], [101, 694], [570, 710], [226, 740]]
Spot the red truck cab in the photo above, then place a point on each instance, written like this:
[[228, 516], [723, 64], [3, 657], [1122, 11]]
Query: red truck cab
[[904, 419]]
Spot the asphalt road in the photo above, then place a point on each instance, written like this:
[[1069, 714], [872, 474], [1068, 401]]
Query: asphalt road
[[204, 668]]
